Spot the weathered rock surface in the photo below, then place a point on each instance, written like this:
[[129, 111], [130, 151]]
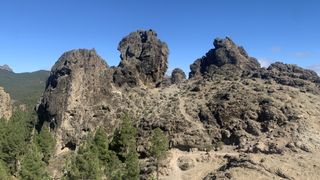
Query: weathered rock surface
[[178, 76], [292, 75], [5, 105], [229, 100], [225, 55], [144, 59], [78, 97], [185, 163]]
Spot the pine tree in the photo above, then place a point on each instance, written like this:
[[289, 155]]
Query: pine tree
[[3, 171], [116, 169], [15, 135], [128, 149], [159, 147], [101, 145], [85, 164], [32, 167], [46, 143]]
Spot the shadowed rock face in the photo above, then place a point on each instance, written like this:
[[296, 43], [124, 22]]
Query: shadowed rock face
[[5, 105], [226, 54], [178, 76], [144, 59], [253, 107]]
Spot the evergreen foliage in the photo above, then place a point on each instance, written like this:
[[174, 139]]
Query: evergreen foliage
[[46, 143], [159, 147], [3, 171], [85, 165], [95, 159], [15, 135], [32, 166]]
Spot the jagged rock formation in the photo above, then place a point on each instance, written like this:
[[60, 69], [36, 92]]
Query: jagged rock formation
[[292, 75], [224, 56], [229, 99], [178, 76], [144, 59], [6, 67], [5, 105], [78, 96]]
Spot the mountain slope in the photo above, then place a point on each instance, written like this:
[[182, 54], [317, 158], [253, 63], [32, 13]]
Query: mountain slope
[[23, 86]]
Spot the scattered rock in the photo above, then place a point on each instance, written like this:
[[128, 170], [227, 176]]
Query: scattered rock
[[185, 163]]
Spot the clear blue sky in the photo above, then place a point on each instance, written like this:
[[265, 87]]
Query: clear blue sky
[[34, 33]]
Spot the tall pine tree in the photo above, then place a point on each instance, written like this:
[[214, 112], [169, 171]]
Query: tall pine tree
[[32, 166], [159, 147], [128, 149]]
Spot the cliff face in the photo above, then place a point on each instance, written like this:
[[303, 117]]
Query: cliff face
[[5, 105], [78, 97], [228, 99]]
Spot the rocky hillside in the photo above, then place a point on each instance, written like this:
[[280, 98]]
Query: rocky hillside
[[5, 105], [229, 103]]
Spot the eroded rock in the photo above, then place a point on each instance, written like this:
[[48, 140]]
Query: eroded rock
[[178, 76], [5, 105], [144, 59]]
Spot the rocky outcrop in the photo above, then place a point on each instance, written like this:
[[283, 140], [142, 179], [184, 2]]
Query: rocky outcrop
[[177, 76], [291, 75], [6, 68], [78, 97], [5, 105], [144, 59], [229, 99], [225, 55]]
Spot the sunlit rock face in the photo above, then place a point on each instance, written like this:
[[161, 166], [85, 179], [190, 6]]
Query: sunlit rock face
[[5, 105]]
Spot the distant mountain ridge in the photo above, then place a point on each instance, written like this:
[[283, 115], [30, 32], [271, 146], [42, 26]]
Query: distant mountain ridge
[[6, 67], [23, 86]]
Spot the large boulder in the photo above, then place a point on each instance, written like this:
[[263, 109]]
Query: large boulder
[[5, 105], [144, 59]]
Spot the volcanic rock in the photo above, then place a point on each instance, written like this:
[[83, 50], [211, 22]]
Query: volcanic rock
[[185, 163], [225, 53], [78, 97], [229, 100], [178, 76], [144, 59], [5, 105]]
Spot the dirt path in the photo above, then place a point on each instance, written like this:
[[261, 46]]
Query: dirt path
[[204, 164]]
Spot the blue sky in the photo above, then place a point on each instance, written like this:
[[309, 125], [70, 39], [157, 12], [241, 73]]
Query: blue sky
[[34, 33]]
